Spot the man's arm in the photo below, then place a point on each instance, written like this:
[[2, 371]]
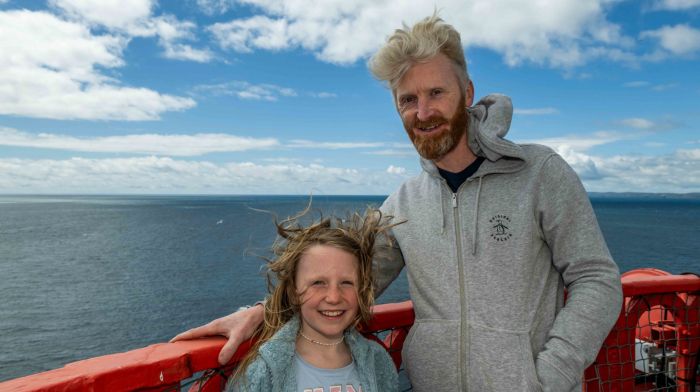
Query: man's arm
[[387, 260], [591, 277], [237, 327]]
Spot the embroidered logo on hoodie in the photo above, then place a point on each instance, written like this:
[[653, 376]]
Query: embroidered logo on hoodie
[[500, 230]]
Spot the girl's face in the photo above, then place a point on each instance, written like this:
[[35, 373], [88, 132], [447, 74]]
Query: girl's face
[[326, 279]]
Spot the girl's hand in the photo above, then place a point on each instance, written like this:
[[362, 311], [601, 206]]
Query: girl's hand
[[237, 327]]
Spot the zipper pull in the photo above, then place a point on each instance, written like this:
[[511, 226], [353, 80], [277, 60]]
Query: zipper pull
[[454, 200]]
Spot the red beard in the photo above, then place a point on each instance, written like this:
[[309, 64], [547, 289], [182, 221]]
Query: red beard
[[434, 147]]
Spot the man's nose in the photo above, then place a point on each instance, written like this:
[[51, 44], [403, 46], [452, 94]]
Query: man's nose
[[425, 111]]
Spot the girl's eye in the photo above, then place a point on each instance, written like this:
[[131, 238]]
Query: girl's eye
[[317, 283], [348, 283]]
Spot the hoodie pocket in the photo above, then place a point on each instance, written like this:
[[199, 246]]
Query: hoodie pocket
[[501, 360], [430, 355]]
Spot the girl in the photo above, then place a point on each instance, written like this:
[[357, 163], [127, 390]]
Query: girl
[[322, 290]]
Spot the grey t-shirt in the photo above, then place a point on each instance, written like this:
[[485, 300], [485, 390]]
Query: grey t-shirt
[[313, 379]]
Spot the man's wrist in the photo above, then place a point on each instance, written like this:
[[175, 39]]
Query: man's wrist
[[261, 303]]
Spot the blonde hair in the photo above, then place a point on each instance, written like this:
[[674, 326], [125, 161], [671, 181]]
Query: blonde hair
[[420, 43], [355, 235]]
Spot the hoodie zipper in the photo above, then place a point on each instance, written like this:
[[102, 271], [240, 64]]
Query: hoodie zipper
[[463, 329]]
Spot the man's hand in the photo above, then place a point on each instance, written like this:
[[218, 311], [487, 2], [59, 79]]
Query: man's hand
[[237, 327]]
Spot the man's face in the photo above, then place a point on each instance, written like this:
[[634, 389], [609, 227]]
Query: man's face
[[432, 106]]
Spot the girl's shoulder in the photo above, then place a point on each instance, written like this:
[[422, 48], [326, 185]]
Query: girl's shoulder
[[257, 378], [372, 358], [364, 347]]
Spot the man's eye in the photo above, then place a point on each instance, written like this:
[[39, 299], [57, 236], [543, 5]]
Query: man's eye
[[436, 91], [407, 100]]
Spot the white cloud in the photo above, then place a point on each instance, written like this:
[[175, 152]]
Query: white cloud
[[396, 170], [679, 40], [133, 18], [679, 172], [166, 175], [560, 34], [246, 90], [256, 32], [126, 15], [644, 124], [693, 154], [52, 68], [645, 84], [664, 87], [655, 144], [215, 7], [536, 111], [676, 5], [170, 32], [259, 92], [324, 95], [637, 84], [578, 143], [638, 123], [169, 145], [394, 152], [331, 145], [573, 150]]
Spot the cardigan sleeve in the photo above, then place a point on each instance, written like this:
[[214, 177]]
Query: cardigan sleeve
[[387, 377]]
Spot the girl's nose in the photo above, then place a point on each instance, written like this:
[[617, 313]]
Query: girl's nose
[[333, 294]]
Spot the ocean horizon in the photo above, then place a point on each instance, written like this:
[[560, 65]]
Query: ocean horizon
[[88, 275]]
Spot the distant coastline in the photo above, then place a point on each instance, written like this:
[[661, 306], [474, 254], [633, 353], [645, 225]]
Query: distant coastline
[[644, 195], [592, 195]]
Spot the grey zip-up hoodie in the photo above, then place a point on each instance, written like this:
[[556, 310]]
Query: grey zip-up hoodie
[[488, 266]]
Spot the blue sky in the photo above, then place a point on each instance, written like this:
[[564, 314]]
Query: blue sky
[[274, 97]]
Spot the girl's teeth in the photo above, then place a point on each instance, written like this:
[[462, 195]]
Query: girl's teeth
[[333, 313]]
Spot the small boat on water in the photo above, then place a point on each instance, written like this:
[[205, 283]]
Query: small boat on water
[[654, 346]]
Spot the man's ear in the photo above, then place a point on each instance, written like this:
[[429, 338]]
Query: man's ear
[[469, 94]]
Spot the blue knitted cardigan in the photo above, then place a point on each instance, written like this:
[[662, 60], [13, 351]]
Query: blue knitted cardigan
[[273, 370]]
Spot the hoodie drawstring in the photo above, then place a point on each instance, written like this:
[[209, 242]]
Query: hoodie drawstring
[[476, 216], [444, 219]]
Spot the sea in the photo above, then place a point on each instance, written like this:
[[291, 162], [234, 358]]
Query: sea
[[82, 276]]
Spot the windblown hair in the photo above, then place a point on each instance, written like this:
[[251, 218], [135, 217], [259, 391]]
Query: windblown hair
[[420, 43], [355, 235]]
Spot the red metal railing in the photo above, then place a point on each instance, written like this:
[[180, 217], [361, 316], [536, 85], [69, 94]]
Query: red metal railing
[[654, 346], [655, 343]]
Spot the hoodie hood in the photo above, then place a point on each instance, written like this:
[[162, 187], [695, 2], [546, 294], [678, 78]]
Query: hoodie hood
[[489, 122]]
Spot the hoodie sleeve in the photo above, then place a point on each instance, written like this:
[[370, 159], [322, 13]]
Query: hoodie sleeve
[[592, 278]]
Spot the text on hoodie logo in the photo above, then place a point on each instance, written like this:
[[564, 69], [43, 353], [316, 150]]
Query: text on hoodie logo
[[500, 230]]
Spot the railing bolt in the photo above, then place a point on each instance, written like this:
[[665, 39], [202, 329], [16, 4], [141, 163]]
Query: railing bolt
[[161, 376]]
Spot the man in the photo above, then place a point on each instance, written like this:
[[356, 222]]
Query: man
[[494, 234]]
